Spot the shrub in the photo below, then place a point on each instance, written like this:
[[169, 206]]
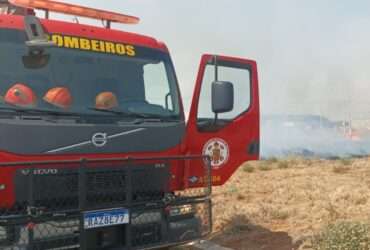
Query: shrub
[[283, 165], [279, 215], [340, 169], [346, 162], [232, 189], [265, 167], [248, 168], [272, 160], [361, 200], [343, 236]]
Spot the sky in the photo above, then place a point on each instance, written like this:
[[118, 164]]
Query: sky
[[313, 55]]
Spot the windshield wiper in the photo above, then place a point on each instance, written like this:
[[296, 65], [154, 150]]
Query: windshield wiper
[[120, 112], [37, 111], [137, 115]]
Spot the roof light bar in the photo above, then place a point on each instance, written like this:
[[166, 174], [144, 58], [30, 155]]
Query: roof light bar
[[70, 9]]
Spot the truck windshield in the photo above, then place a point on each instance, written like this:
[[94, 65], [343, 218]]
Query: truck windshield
[[86, 82]]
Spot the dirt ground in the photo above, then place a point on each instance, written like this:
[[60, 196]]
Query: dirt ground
[[280, 204]]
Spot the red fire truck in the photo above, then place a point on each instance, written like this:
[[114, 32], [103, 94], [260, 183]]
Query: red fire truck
[[95, 152]]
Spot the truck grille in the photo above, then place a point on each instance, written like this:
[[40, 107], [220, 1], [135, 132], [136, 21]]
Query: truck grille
[[104, 187]]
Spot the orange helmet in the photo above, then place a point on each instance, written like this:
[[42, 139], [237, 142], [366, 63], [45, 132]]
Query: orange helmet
[[21, 95], [106, 100], [59, 96]]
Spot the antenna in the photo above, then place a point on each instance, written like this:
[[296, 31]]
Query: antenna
[[76, 10]]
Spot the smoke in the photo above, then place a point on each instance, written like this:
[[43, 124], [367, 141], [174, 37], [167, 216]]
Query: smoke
[[324, 57], [311, 136]]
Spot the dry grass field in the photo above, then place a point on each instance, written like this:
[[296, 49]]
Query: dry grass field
[[281, 204]]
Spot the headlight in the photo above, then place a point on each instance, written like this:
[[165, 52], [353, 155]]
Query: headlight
[[181, 210], [2, 187]]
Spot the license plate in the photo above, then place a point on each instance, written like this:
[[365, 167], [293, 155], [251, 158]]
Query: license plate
[[106, 218]]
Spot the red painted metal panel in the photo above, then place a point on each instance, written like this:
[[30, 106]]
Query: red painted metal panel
[[237, 135]]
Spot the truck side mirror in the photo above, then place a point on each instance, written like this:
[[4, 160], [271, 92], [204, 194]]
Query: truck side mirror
[[222, 97]]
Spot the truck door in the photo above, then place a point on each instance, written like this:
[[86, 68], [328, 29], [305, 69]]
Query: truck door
[[224, 116]]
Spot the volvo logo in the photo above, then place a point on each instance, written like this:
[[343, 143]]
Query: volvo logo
[[99, 139]]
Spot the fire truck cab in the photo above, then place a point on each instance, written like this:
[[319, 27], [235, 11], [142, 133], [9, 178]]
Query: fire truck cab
[[95, 151]]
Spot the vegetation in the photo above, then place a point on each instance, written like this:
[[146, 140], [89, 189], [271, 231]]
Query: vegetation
[[265, 167], [341, 169], [343, 236], [283, 165], [346, 162], [248, 168], [272, 160], [279, 214]]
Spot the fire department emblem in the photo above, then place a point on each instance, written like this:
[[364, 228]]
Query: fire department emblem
[[218, 150]]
